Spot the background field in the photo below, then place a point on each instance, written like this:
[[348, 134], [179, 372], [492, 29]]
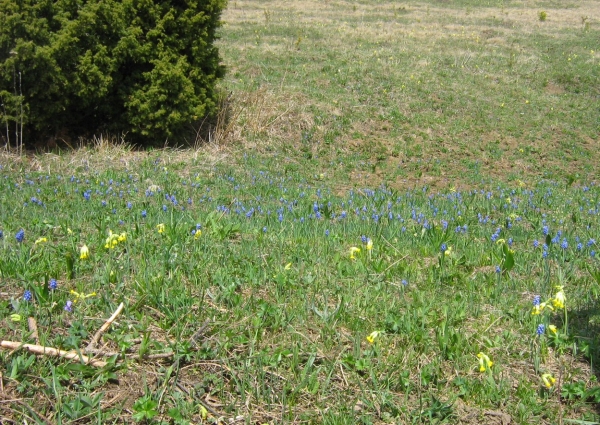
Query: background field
[[418, 170]]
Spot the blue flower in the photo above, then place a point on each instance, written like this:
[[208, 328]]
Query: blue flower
[[541, 329], [144, 213], [546, 230], [129, 205], [444, 247], [27, 295], [536, 243], [164, 208], [1, 234], [404, 282], [69, 306], [364, 239], [564, 244], [327, 232], [498, 269], [53, 284], [536, 300], [20, 235]]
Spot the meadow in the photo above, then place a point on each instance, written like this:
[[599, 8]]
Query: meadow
[[395, 220]]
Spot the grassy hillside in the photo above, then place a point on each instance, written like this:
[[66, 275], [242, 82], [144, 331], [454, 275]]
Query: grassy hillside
[[396, 220]]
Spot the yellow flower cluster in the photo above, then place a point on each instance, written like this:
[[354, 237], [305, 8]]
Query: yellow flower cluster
[[114, 239], [354, 250], [556, 302], [84, 252], [372, 337], [80, 296], [548, 380], [484, 362]]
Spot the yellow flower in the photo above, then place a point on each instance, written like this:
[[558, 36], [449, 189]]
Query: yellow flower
[[537, 309], [197, 234], [288, 266], [112, 239], [41, 240], [84, 252], [373, 336], [500, 241], [448, 251], [548, 379], [369, 245], [15, 317], [484, 362], [160, 227], [553, 329], [81, 296], [122, 237], [69, 231], [354, 250], [559, 298]]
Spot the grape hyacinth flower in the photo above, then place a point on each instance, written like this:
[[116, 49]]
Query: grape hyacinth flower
[[540, 329], [20, 235], [69, 306], [27, 295], [53, 284]]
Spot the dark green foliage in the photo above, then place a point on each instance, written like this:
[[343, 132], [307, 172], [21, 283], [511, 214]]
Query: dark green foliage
[[78, 67]]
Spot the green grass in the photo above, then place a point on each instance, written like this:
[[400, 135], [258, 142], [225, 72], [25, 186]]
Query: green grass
[[450, 134]]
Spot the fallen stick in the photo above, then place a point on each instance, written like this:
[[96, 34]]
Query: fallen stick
[[104, 327], [54, 352]]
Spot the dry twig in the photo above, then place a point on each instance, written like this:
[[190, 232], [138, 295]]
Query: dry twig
[[54, 352], [104, 327]]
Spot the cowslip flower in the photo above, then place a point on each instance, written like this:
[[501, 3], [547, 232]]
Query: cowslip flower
[[197, 234], [41, 240], [548, 380], [484, 362], [553, 329], [160, 227], [81, 296], [559, 298], [369, 244], [354, 250], [537, 309], [84, 252], [372, 337]]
